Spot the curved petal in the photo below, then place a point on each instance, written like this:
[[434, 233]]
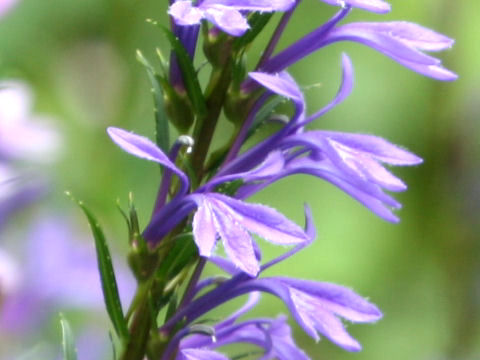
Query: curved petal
[[143, 148], [236, 241], [262, 220], [343, 92]]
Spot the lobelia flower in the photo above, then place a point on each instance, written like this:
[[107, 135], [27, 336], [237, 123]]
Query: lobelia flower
[[400, 40], [273, 336], [216, 214], [352, 162], [316, 306], [225, 14]]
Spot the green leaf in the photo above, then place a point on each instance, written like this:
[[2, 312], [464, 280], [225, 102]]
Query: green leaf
[[264, 113], [107, 275], [257, 22], [162, 135], [192, 85], [68, 342]]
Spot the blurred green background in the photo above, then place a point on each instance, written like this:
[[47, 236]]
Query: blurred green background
[[424, 273]]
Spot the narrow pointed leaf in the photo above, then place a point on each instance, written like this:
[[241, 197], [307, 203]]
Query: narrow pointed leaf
[[161, 121], [68, 342], [107, 276]]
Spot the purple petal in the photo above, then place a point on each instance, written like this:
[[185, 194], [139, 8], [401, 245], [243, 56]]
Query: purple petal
[[184, 13], [343, 92], [283, 346], [143, 148], [264, 221], [281, 84], [229, 20], [201, 354], [314, 319], [377, 6], [375, 146], [414, 35], [253, 5], [204, 231], [401, 41], [370, 195], [376, 36], [337, 299], [236, 240], [253, 299]]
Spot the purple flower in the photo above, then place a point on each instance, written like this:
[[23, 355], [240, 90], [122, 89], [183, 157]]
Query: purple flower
[[401, 41], [232, 220], [216, 214], [353, 162], [225, 14], [316, 307], [273, 336]]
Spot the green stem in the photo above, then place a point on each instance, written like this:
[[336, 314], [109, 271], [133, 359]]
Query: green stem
[[205, 127]]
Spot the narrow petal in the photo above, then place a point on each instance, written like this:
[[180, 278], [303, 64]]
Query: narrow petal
[[378, 38], [377, 147], [337, 299], [236, 241], [272, 165], [343, 92], [281, 84], [414, 35], [315, 319], [264, 221], [143, 148], [204, 231], [253, 299]]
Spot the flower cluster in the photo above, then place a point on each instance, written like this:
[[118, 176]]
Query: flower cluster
[[202, 196]]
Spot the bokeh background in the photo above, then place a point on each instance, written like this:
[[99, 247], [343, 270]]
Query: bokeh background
[[424, 273]]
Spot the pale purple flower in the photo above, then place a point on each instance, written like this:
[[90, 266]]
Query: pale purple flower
[[23, 135], [6, 5], [217, 215], [316, 306], [273, 336], [402, 41], [225, 14], [232, 220], [352, 162]]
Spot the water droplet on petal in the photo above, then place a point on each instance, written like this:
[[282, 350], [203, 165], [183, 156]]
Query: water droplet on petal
[[187, 141]]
